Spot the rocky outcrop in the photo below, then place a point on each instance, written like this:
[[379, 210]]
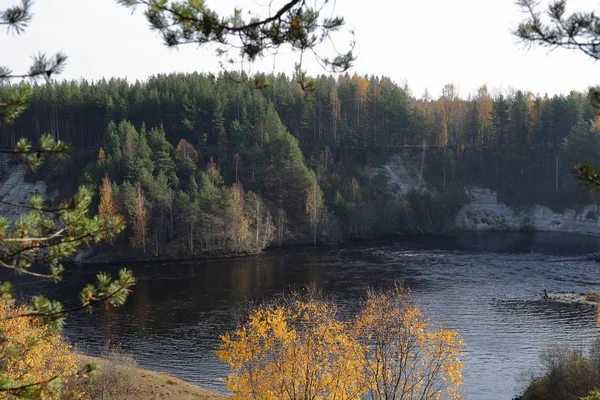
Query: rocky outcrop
[[15, 189], [485, 213], [403, 171]]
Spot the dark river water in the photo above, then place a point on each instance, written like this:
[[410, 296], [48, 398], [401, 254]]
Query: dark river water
[[486, 285]]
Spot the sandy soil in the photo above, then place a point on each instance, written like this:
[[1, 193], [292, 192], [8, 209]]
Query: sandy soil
[[150, 385], [578, 298]]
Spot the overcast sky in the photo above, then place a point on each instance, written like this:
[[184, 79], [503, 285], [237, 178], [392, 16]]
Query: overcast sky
[[426, 43]]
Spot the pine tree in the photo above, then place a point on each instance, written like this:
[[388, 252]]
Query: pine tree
[[44, 235]]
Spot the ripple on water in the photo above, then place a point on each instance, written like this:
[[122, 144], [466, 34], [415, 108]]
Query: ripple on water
[[487, 286]]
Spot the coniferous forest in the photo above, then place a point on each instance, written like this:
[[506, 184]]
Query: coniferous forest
[[211, 164]]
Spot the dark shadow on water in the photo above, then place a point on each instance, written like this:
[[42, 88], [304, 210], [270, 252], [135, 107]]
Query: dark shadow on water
[[484, 284]]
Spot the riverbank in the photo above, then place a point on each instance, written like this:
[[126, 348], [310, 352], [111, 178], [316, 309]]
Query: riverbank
[[591, 299], [447, 238], [125, 380]]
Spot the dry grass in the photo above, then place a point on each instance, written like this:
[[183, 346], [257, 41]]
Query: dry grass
[[593, 296], [117, 377]]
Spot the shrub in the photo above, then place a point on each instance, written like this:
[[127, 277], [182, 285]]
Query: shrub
[[296, 348], [403, 357], [113, 377], [568, 374], [299, 347]]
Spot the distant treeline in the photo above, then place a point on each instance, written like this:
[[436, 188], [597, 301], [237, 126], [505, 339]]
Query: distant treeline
[[287, 163]]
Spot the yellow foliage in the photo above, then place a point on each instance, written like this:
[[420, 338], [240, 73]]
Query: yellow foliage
[[28, 353], [106, 208], [295, 23], [292, 351], [308, 200], [363, 87], [300, 349], [401, 347], [595, 127], [101, 157]]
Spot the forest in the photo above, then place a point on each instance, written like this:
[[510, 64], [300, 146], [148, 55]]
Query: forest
[[212, 164]]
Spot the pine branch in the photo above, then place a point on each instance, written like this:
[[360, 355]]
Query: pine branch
[[17, 17], [294, 23], [90, 303], [15, 390], [48, 245], [41, 209], [25, 271], [578, 31]]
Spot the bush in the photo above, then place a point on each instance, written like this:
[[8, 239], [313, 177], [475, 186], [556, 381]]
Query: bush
[[299, 347], [113, 377], [568, 375]]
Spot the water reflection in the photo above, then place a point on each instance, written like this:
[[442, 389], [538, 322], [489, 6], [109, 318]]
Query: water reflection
[[486, 285]]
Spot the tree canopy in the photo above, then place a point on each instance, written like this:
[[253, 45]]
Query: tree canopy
[[578, 30]]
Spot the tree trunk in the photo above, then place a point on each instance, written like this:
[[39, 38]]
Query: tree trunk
[[236, 169], [315, 213], [171, 217], [556, 160], [257, 222], [444, 163], [422, 165], [280, 230], [191, 238], [156, 240]]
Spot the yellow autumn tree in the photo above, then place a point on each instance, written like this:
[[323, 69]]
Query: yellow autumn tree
[[485, 103], [595, 125], [293, 349], [403, 357], [107, 207], [101, 157], [29, 354], [298, 348]]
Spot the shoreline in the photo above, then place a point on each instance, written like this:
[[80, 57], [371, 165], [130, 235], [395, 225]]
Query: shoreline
[[589, 299], [104, 258], [148, 384]]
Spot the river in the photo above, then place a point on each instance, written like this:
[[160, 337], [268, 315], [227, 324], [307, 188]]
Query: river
[[486, 285]]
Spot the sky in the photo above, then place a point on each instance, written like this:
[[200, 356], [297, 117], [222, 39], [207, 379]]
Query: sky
[[424, 43]]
